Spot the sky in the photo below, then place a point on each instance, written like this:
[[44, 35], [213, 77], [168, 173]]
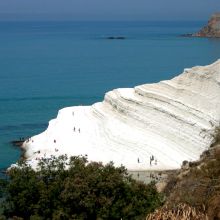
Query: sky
[[108, 9]]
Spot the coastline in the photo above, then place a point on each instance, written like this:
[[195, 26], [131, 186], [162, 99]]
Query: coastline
[[27, 110]]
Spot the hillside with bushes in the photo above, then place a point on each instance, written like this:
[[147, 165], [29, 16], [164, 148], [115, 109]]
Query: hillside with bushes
[[194, 191]]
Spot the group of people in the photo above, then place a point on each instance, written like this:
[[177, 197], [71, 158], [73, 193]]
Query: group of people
[[74, 128], [152, 158], [54, 141], [155, 176], [29, 140]]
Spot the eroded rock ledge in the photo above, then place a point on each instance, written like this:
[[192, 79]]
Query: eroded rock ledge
[[173, 120]]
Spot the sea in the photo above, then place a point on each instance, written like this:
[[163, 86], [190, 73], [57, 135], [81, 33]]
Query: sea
[[46, 66]]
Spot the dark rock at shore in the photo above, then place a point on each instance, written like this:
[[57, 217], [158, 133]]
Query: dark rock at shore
[[17, 143], [212, 29]]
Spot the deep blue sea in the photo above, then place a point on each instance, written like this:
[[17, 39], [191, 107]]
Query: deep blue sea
[[45, 66]]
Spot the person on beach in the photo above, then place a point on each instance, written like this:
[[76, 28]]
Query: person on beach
[[138, 160], [74, 129], [54, 141], [79, 130]]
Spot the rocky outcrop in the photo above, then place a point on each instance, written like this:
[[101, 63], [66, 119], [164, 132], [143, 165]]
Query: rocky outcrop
[[212, 29], [197, 183], [149, 127]]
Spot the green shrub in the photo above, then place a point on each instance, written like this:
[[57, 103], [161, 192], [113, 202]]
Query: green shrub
[[83, 191]]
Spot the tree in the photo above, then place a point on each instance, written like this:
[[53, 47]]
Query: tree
[[73, 188]]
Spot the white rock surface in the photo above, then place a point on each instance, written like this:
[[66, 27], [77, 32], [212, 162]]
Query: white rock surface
[[173, 120]]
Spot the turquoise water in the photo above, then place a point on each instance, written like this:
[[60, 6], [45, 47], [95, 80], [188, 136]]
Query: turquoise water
[[45, 66]]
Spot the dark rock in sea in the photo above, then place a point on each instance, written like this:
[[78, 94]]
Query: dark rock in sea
[[116, 38], [186, 35], [212, 29]]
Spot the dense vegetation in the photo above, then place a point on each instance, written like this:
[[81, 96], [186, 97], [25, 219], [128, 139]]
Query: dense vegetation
[[83, 191]]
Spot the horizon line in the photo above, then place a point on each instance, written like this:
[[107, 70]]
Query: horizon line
[[107, 20]]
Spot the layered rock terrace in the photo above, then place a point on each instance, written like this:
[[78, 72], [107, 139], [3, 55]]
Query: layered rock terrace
[[173, 120]]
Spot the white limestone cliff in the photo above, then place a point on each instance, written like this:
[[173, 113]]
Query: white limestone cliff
[[173, 120]]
